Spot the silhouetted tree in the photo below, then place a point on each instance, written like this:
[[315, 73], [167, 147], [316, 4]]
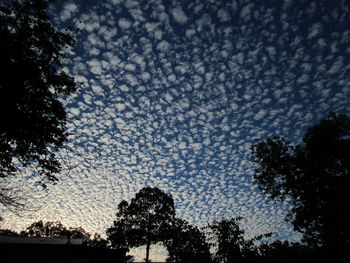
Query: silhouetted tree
[[54, 229], [315, 177], [287, 252], [146, 220], [32, 86], [187, 244], [8, 232], [120, 235], [229, 242], [11, 197], [57, 229], [97, 241]]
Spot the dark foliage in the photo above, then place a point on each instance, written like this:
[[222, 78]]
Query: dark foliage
[[286, 252], [97, 241], [146, 220], [315, 176], [8, 232], [54, 229], [228, 240], [187, 244], [230, 245], [120, 234], [57, 229], [32, 85]]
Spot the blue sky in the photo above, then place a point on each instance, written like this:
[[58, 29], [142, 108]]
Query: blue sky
[[174, 95]]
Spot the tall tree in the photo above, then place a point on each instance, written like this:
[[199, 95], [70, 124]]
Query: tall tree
[[230, 245], [315, 177], [187, 244], [228, 240], [146, 220], [32, 86], [120, 234]]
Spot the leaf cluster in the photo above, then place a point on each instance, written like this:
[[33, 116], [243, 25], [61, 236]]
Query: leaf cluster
[[227, 237], [314, 175], [57, 230], [187, 244], [32, 86], [54, 229]]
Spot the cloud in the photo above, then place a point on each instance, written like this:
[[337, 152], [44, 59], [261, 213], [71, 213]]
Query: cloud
[[179, 109], [69, 10], [179, 15], [223, 15], [124, 23]]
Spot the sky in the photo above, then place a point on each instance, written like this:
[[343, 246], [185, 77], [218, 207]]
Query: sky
[[175, 93]]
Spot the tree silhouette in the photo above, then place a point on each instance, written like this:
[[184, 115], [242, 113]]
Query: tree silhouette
[[146, 220], [315, 177], [54, 229], [187, 244], [230, 245], [97, 241], [284, 251], [57, 229], [8, 232], [32, 86], [229, 240], [120, 235]]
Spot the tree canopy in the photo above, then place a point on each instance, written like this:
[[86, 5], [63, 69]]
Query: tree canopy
[[227, 237], [32, 87], [287, 252], [229, 240], [221, 241], [314, 175], [146, 220], [54, 229], [187, 244], [57, 229]]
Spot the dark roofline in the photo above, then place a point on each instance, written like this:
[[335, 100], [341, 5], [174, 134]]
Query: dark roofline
[[40, 240]]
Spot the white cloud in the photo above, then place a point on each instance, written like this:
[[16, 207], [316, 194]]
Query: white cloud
[[168, 97], [97, 90], [315, 30], [120, 106], [158, 34], [223, 15], [124, 88], [116, 2], [68, 11], [260, 115], [130, 67], [132, 79], [124, 23], [246, 12], [95, 66], [179, 15], [163, 46]]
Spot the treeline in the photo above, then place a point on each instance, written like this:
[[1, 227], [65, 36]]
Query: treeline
[[313, 175], [57, 229], [150, 219]]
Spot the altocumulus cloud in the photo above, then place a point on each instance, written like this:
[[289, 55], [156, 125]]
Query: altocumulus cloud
[[176, 93]]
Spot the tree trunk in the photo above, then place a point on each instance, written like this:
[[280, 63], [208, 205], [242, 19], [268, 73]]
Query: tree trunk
[[148, 245]]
